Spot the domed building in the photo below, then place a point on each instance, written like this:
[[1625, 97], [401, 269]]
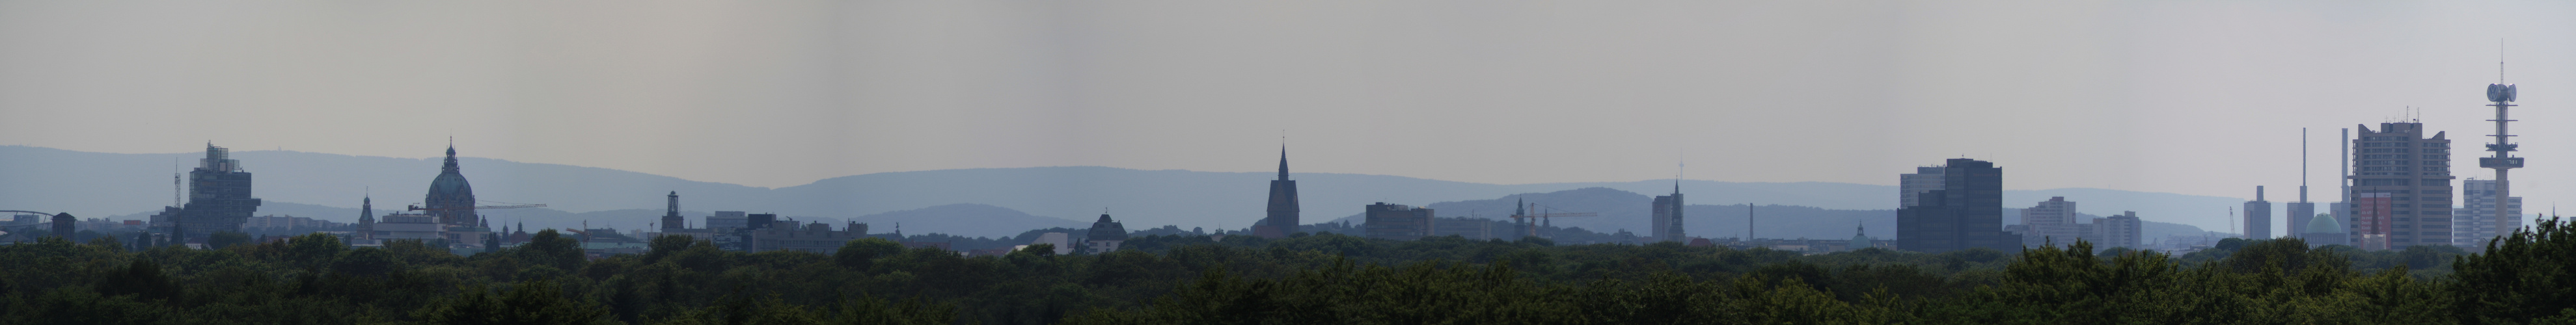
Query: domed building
[[450, 197], [1860, 239], [2323, 230]]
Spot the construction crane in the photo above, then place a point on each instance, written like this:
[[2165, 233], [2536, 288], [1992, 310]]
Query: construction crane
[[514, 206], [485, 207], [1522, 215]]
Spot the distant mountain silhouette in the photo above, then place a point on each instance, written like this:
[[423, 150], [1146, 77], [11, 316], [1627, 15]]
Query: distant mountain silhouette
[[969, 220], [1623, 210], [102, 184]]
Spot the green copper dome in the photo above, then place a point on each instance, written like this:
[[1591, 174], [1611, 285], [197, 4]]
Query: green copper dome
[[2324, 224]]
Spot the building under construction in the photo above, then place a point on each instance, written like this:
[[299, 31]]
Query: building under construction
[[218, 198]]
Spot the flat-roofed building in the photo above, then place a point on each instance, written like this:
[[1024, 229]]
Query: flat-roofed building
[[1397, 221]]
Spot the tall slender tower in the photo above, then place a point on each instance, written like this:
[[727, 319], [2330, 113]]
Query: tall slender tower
[[2503, 96], [2299, 212], [2342, 208], [671, 219], [1282, 219], [367, 217]]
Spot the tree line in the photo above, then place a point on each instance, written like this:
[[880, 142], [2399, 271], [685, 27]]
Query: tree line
[[1318, 278]]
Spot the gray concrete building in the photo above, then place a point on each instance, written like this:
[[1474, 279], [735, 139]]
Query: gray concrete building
[[2474, 227], [2402, 183], [2052, 223], [2258, 217], [1396, 222], [2124, 230]]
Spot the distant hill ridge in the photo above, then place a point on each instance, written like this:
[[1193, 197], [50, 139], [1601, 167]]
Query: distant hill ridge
[[104, 184]]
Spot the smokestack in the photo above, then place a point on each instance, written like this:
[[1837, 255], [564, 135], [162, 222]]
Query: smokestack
[[2258, 193]]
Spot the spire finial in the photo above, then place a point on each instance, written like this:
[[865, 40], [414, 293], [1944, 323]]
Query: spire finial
[[1283, 158]]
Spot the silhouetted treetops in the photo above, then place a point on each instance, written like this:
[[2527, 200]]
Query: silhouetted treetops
[[1304, 279]]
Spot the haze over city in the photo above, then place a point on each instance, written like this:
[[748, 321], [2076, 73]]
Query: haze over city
[[1326, 162], [2201, 98]]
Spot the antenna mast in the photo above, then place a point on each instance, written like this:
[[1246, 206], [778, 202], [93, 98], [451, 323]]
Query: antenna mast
[[2503, 94]]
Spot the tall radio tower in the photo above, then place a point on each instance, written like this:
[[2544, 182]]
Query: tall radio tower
[[2503, 95]]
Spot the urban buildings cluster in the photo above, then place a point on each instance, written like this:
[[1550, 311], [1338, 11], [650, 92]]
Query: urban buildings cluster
[[2396, 186]]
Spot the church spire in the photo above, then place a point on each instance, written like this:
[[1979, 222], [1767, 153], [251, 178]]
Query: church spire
[[1283, 162], [451, 156]]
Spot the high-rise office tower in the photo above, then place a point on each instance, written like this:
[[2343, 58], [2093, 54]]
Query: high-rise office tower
[[218, 194], [1667, 216], [1282, 217], [1910, 187], [2258, 216], [2472, 229], [1967, 212], [2401, 184]]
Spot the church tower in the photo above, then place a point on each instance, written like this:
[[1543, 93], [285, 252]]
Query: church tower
[[1282, 219], [671, 219], [367, 218]]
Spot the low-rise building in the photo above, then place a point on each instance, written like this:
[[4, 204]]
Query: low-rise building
[[1105, 236]]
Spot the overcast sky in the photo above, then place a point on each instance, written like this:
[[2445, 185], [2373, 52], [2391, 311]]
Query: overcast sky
[[2196, 97]]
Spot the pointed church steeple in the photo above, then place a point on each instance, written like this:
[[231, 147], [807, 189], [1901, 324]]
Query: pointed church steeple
[[1283, 162]]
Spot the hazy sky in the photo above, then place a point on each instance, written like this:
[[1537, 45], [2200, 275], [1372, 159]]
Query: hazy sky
[[2196, 97]]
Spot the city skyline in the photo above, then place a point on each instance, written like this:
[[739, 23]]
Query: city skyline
[[2200, 99]]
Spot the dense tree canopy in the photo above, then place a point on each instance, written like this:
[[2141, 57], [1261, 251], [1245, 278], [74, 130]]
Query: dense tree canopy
[[1322, 278]]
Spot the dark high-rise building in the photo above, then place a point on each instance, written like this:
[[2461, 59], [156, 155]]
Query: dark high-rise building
[[218, 195], [1397, 222], [64, 224], [760, 220], [2411, 174], [1967, 212], [451, 199], [1667, 216], [1282, 219], [2258, 216], [671, 218]]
